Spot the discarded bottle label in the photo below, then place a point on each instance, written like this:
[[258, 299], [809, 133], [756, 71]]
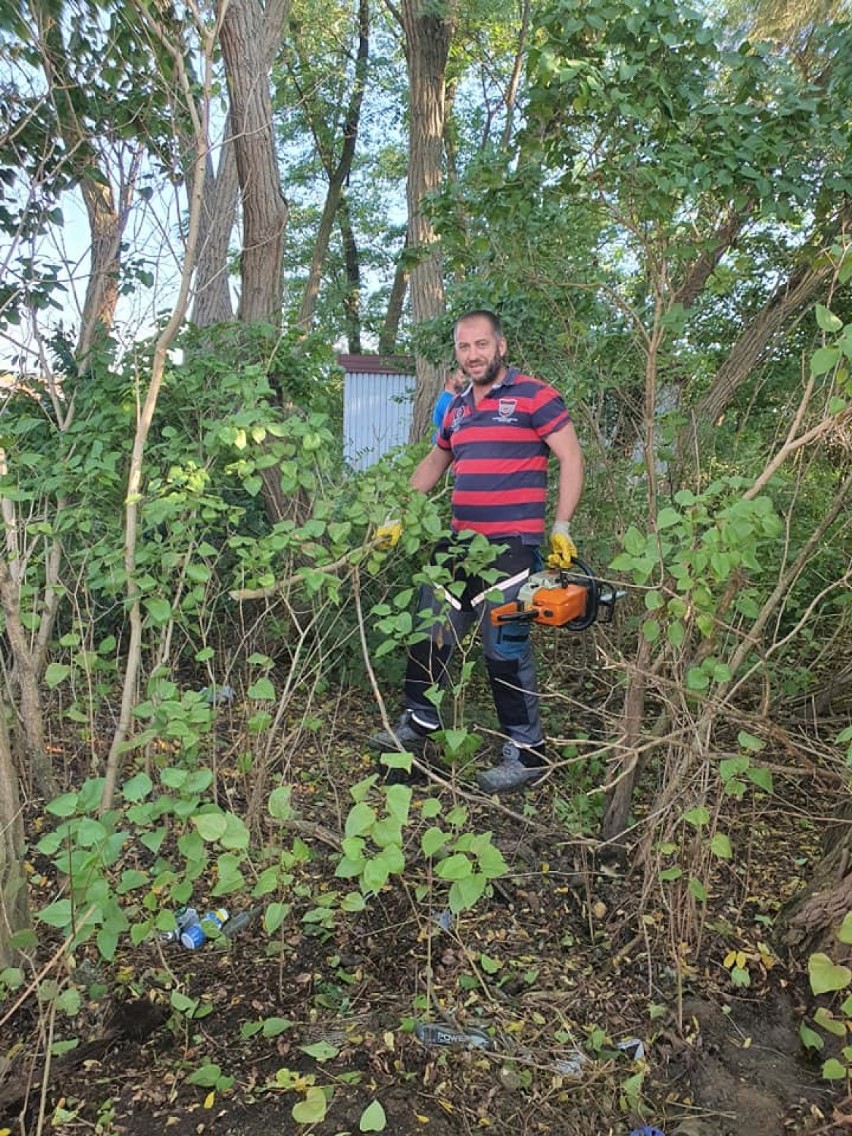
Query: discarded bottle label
[[438, 1033]]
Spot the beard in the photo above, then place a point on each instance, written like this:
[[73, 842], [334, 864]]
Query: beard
[[489, 374]]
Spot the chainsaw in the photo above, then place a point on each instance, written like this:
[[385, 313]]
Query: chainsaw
[[561, 597]]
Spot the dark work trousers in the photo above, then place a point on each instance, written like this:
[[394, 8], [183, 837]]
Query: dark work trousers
[[507, 648]]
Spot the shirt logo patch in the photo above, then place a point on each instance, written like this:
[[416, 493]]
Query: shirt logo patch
[[506, 408], [458, 415]]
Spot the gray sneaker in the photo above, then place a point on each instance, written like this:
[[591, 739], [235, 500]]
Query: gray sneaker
[[518, 767], [411, 736]]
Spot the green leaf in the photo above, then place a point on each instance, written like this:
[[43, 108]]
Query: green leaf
[[56, 914], [312, 1109], [320, 1050], [55, 672], [833, 1070], [698, 890], [488, 964], [63, 806], [750, 742], [720, 846], [360, 820], [272, 1027], [433, 840], [844, 931], [667, 517], [279, 803], [262, 690], [160, 610], [824, 359], [826, 975], [698, 816], [465, 893], [138, 787], [455, 867], [210, 826], [761, 777], [373, 1118], [809, 1038], [827, 1021], [826, 320]]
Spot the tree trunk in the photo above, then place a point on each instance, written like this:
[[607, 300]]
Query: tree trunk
[[14, 907], [212, 302], [36, 763], [352, 296], [338, 173], [624, 765], [393, 315], [808, 922], [427, 44], [264, 209]]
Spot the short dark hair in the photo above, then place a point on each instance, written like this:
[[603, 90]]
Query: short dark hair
[[484, 313]]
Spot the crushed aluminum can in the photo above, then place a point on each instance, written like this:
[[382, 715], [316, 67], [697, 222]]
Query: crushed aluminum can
[[439, 1033]]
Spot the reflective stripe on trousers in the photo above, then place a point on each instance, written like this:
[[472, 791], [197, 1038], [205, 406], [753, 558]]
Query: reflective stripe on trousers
[[508, 652]]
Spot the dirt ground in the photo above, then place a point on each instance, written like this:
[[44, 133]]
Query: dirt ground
[[564, 966]]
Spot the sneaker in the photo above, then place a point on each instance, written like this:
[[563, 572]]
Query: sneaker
[[518, 767], [411, 736]]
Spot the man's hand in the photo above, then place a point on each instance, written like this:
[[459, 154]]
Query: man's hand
[[563, 550], [388, 534]]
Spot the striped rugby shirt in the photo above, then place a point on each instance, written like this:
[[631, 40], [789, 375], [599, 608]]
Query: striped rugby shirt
[[500, 456]]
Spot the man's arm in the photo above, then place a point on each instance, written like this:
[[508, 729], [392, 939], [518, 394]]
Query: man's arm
[[428, 473], [565, 445]]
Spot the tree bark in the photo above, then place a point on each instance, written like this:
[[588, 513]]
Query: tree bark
[[337, 172], [212, 302], [36, 763], [393, 313], [427, 44], [265, 211], [14, 907]]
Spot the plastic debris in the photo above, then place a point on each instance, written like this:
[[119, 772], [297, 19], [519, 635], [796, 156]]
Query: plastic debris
[[444, 920], [189, 931], [572, 1065], [193, 935], [647, 1130], [218, 695], [240, 922], [439, 1033], [633, 1047]]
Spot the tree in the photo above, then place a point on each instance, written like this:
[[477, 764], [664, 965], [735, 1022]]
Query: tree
[[264, 209], [428, 31], [14, 905]]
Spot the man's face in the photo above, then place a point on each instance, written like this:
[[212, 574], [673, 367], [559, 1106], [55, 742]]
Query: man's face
[[479, 350]]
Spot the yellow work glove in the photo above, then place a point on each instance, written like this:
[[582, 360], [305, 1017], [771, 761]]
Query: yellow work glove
[[388, 534], [563, 550]]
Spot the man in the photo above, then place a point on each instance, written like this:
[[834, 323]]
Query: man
[[498, 434], [453, 384]]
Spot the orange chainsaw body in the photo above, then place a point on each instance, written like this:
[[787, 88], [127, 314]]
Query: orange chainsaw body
[[545, 599]]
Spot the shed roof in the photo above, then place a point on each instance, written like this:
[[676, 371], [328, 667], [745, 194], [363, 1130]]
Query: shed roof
[[377, 364]]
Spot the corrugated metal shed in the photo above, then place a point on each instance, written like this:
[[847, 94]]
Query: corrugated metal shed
[[377, 402]]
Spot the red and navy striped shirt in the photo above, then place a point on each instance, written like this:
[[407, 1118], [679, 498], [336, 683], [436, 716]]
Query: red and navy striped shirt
[[500, 456]]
